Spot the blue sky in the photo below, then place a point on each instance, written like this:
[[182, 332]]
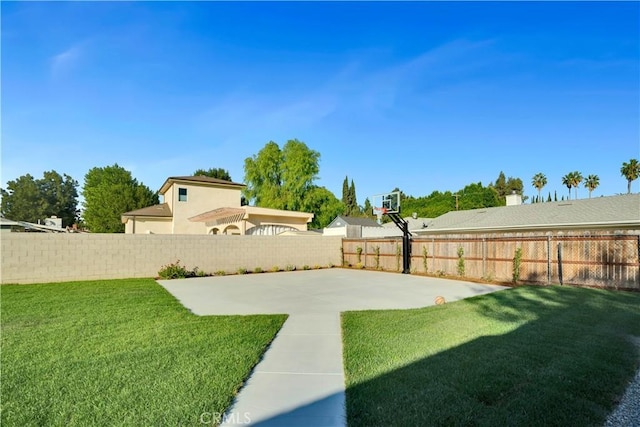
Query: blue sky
[[421, 96]]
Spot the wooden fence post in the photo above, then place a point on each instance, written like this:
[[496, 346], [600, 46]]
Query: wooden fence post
[[548, 260], [560, 262], [484, 257]]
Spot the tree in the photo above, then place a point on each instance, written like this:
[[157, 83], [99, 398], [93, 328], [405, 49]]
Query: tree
[[263, 177], [504, 186], [108, 193], [324, 205], [591, 183], [218, 173], [568, 181], [31, 200], [349, 199], [345, 191], [576, 179], [475, 196], [630, 170], [501, 185], [280, 179], [367, 208], [354, 209], [539, 181], [22, 200]]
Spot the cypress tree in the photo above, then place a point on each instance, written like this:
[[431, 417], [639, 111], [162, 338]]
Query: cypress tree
[[353, 200], [345, 190]]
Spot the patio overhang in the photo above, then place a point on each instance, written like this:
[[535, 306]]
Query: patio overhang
[[220, 216]]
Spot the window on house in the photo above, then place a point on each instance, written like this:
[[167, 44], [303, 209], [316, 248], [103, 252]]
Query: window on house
[[182, 194]]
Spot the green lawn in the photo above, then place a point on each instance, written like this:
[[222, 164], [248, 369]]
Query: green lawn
[[525, 356], [120, 352]]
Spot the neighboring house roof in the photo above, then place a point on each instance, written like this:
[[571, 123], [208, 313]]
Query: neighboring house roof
[[415, 224], [5, 222], [602, 212], [8, 223], [229, 215], [203, 180], [159, 211], [341, 221]]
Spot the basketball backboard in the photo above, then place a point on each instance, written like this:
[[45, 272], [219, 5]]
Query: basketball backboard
[[386, 203]]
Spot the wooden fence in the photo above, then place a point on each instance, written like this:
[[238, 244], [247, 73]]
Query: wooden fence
[[610, 260]]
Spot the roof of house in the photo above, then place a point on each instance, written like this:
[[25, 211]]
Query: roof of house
[[162, 211], [342, 220], [414, 223], [230, 215], [203, 180], [603, 212], [5, 222]]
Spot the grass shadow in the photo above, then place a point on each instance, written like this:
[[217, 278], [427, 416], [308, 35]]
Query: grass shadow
[[525, 356]]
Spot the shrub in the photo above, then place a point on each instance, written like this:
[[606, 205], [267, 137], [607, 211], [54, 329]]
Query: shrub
[[460, 261], [359, 253], [317, 267], [220, 273], [425, 256], [275, 268], [175, 271], [376, 258], [242, 270], [306, 267], [290, 267], [359, 265], [258, 270], [517, 261]]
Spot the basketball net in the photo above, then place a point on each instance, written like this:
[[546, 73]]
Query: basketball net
[[379, 212]]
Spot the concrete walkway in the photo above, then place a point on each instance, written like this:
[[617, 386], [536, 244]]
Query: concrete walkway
[[300, 379]]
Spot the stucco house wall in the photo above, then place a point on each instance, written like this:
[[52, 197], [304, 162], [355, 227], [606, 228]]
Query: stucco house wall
[[148, 226], [200, 198]]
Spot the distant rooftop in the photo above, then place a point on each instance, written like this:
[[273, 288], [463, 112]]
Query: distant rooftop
[[342, 220], [199, 179], [602, 212]]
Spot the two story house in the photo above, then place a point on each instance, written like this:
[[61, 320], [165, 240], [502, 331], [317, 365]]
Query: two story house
[[204, 205]]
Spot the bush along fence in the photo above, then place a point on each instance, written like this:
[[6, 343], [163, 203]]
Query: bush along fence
[[605, 259]]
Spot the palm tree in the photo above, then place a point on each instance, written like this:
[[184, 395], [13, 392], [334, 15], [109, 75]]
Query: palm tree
[[591, 182], [576, 180], [568, 181], [631, 171], [539, 181]]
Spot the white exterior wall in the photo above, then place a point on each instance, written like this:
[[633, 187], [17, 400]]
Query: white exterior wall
[[367, 232]]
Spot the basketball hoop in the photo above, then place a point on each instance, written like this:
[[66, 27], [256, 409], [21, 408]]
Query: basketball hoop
[[379, 212]]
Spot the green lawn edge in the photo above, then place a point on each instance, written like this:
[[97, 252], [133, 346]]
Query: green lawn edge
[[525, 356], [120, 352]]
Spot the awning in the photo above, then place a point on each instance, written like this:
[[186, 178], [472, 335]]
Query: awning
[[220, 216]]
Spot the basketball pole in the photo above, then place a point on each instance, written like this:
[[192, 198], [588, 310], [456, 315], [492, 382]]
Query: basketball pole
[[406, 241]]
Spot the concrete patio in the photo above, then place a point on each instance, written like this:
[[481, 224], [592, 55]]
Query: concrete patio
[[300, 379]]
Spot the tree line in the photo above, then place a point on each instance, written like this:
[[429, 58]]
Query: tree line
[[629, 170], [275, 177]]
